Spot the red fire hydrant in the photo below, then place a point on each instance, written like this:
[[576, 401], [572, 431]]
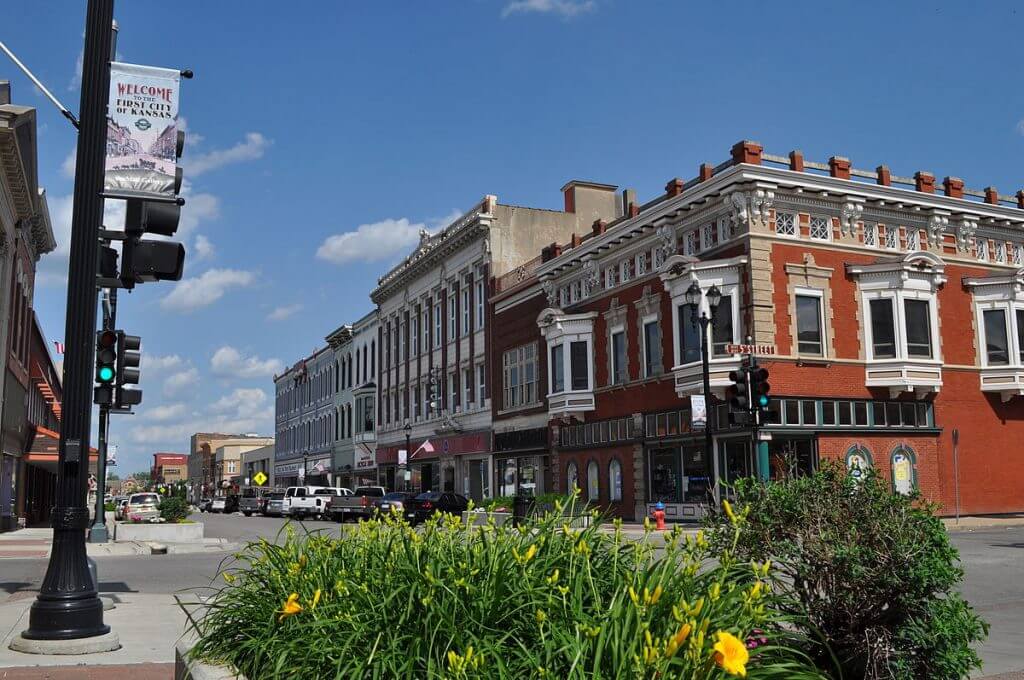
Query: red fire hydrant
[[659, 516]]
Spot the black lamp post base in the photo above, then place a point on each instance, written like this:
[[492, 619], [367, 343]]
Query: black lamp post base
[[65, 619]]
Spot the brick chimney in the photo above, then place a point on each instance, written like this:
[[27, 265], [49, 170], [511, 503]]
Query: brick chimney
[[796, 160], [839, 167], [991, 195], [884, 176], [924, 182], [590, 200], [599, 227], [674, 187], [953, 187], [630, 207], [705, 172], [747, 152]]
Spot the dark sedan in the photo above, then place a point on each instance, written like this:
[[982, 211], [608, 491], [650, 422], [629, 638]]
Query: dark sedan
[[421, 507], [392, 502]]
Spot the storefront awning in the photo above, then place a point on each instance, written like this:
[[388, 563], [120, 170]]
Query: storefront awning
[[42, 450]]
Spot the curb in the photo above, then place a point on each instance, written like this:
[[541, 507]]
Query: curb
[[190, 669]]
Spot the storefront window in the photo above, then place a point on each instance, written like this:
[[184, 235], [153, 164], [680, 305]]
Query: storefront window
[[791, 458], [666, 481], [614, 481], [507, 477], [695, 481], [736, 461], [529, 476]]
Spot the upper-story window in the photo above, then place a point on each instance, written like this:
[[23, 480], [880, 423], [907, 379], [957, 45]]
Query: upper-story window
[[724, 229], [481, 300], [871, 235], [437, 325], [983, 249], [641, 264], [1018, 255], [707, 237], [892, 237], [626, 270], [467, 386], [821, 228], [414, 334], [690, 243], [481, 381], [900, 328], [519, 376], [425, 325], [913, 239], [1000, 252], [610, 277], [570, 341], [653, 364], [618, 356], [452, 316], [785, 224], [563, 296], [465, 308], [1000, 317], [402, 356], [574, 292], [810, 339]]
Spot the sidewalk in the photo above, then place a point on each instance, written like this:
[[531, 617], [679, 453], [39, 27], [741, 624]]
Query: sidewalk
[[27, 543], [147, 625]]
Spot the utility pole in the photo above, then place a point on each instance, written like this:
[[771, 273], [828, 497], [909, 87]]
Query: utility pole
[[68, 606], [98, 530]]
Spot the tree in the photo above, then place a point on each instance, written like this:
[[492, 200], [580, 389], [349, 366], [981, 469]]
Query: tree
[[113, 477]]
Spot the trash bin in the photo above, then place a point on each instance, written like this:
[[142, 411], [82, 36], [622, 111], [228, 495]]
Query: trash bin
[[520, 509]]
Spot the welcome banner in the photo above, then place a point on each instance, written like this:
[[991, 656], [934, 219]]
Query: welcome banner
[[142, 130]]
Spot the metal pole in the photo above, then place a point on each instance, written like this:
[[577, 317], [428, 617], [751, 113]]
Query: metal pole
[[408, 454], [709, 445], [68, 606], [98, 531]]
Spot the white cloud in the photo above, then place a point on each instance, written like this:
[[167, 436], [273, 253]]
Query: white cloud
[[201, 291], [67, 168], [251, 149], [198, 207], [374, 242], [1020, 127], [229, 362], [158, 364], [283, 312], [177, 382], [192, 138], [244, 402], [204, 248], [76, 77], [164, 413], [567, 9]]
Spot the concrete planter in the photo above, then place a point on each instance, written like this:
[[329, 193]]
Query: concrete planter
[[160, 533], [190, 669], [480, 518]]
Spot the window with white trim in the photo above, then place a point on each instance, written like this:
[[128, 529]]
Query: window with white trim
[[563, 296], [452, 316], [453, 393], [651, 339], [690, 243], [414, 334], [609, 277], [481, 383], [593, 482], [465, 308], [1018, 254], [467, 387], [617, 355], [437, 325], [519, 376], [871, 235], [913, 239], [1000, 252], [982, 249], [892, 237], [641, 263], [481, 301], [402, 356], [901, 325], [570, 367], [785, 224], [626, 270], [614, 480], [821, 228], [996, 339], [707, 237], [425, 325], [575, 290], [658, 257], [809, 323], [724, 229]]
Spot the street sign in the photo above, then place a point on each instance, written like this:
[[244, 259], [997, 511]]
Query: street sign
[[259, 478], [750, 349]]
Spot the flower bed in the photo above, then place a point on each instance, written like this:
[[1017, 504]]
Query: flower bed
[[460, 601]]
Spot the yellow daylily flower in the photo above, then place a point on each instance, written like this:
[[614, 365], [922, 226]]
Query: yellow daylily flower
[[291, 607], [728, 511], [677, 639], [731, 654], [316, 599], [228, 578], [541, 616], [553, 579]]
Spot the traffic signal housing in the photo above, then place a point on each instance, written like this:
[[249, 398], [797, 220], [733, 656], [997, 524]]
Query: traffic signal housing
[[739, 391], [128, 359], [106, 367]]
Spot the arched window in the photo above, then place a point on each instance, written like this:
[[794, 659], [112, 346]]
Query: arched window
[[572, 478], [903, 464], [337, 423], [593, 481], [615, 481], [337, 373], [858, 461]]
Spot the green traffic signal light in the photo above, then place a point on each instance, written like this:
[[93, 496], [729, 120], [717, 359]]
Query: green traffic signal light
[[762, 401], [106, 374]]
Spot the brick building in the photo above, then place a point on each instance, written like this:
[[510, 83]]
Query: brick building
[[169, 468], [889, 308]]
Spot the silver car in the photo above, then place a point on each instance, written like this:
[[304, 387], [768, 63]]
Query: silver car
[[145, 506]]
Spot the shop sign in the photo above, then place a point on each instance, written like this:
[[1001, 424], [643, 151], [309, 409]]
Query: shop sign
[[533, 438], [364, 459], [759, 350]]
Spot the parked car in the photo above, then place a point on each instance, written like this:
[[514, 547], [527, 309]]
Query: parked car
[[274, 507], [120, 505], [355, 505], [253, 499], [205, 504], [419, 508], [310, 501], [225, 504], [145, 506], [393, 501]]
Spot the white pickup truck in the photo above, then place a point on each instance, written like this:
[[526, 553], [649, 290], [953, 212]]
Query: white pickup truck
[[310, 501]]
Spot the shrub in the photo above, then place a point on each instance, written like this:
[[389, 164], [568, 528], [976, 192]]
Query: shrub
[[495, 602], [874, 573], [173, 509], [109, 507]]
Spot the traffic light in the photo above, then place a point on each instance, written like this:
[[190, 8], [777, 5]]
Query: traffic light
[[759, 388], [106, 265], [128, 359], [739, 391], [106, 367], [145, 260]]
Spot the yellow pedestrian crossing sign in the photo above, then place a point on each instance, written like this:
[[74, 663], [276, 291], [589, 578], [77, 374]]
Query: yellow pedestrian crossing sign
[[259, 478]]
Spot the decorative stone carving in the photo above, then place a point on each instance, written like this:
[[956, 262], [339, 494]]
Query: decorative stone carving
[[550, 292], [849, 215], [965, 233], [937, 226], [747, 208]]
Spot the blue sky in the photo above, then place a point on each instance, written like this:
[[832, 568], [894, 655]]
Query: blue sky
[[324, 135]]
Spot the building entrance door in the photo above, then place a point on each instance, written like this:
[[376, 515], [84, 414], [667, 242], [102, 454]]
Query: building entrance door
[[477, 474], [736, 460]]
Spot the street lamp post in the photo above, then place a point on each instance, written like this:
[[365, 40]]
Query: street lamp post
[[703, 321], [408, 453]]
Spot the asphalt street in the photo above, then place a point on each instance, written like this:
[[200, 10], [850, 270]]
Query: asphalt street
[[992, 559]]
